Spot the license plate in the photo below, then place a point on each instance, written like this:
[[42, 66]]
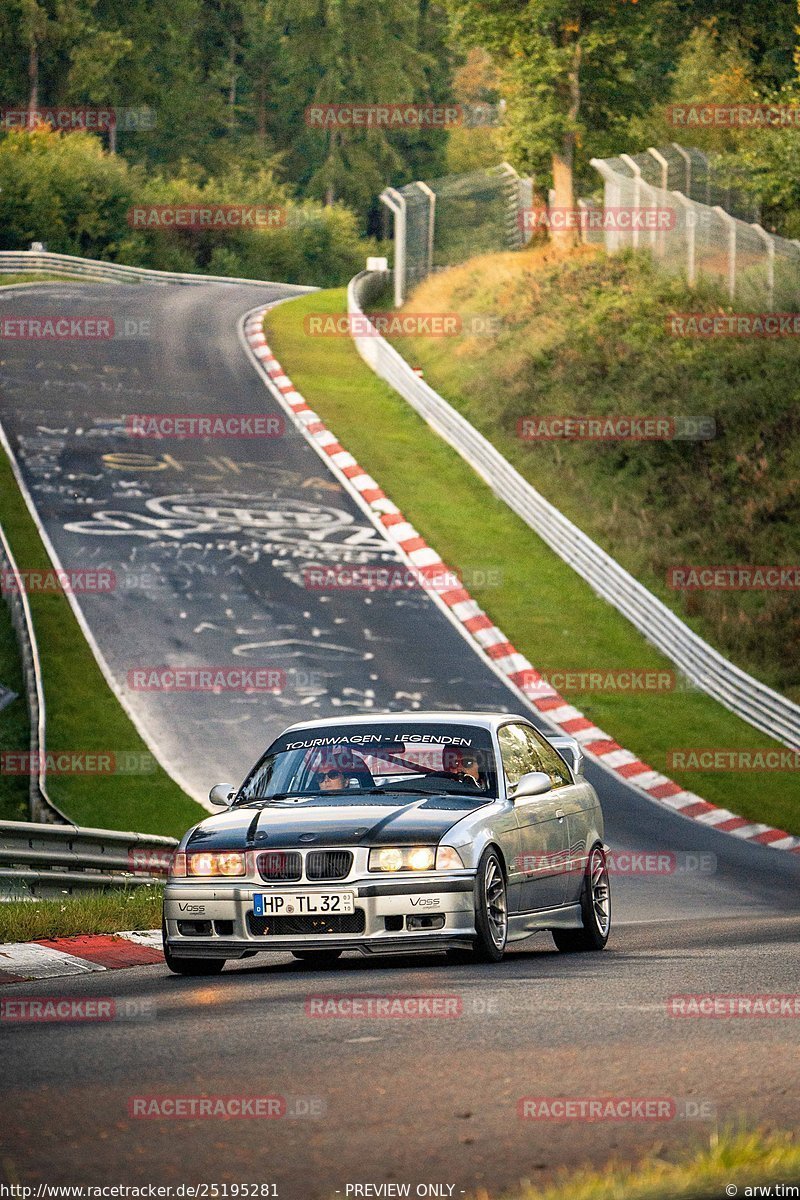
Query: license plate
[[293, 904]]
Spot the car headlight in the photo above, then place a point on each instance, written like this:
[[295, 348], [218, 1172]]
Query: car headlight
[[402, 858], [206, 864], [448, 859], [415, 858]]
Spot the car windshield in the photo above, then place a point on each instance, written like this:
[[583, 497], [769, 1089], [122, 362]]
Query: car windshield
[[397, 757]]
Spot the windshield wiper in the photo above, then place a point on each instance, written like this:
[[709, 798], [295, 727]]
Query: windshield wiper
[[265, 799]]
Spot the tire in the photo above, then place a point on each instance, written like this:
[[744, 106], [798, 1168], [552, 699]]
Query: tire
[[319, 958], [491, 908], [595, 909], [190, 966]]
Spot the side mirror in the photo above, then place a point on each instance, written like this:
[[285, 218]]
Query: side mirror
[[569, 749], [222, 794], [534, 783]]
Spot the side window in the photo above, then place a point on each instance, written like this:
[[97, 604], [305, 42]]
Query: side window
[[518, 753], [551, 762]]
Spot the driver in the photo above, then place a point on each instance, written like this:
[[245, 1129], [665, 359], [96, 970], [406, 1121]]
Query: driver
[[465, 765]]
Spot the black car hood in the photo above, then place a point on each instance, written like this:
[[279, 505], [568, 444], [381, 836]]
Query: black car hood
[[319, 821]]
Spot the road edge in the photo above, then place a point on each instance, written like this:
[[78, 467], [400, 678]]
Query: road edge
[[483, 636]]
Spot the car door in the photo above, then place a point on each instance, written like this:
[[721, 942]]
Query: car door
[[541, 822], [572, 802]]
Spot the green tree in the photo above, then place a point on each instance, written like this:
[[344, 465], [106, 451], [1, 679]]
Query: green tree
[[574, 71], [354, 51]]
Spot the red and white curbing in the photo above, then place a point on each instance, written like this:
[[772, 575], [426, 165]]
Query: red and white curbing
[[52, 958], [486, 637]]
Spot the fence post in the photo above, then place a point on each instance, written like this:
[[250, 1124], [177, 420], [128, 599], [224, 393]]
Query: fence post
[[769, 242], [662, 162], [611, 191], [525, 204], [654, 232], [730, 222], [687, 191], [515, 234], [431, 194], [637, 193], [397, 203], [705, 159], [690, 223]]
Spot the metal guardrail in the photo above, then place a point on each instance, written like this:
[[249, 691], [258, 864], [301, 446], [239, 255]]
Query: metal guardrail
[[51, 860], [13, 592], [91, 268], [709, 670]]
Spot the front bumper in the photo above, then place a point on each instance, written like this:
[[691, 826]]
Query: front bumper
[[215, 920]]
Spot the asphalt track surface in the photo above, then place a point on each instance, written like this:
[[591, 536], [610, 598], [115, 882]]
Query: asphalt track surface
[[209, 542]]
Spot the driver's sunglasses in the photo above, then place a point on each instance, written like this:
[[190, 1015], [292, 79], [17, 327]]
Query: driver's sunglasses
[[334, 774], [469, 762]]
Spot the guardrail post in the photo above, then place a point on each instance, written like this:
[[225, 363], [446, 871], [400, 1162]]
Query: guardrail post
[[730, 223], [769, 242]]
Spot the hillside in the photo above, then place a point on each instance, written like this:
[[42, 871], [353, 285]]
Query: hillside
[[588, 335]]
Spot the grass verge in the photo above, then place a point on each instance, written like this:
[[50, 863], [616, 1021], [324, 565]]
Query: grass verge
[[588, 334], [14, 726], [546, 610], [83, 714], [114, 911], [737, 1160]]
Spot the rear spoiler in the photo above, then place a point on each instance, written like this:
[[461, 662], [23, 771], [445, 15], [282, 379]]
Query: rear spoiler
[[569, 749]]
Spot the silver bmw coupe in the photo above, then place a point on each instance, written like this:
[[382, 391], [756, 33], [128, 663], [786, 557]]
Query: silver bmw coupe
[[390, 833]]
